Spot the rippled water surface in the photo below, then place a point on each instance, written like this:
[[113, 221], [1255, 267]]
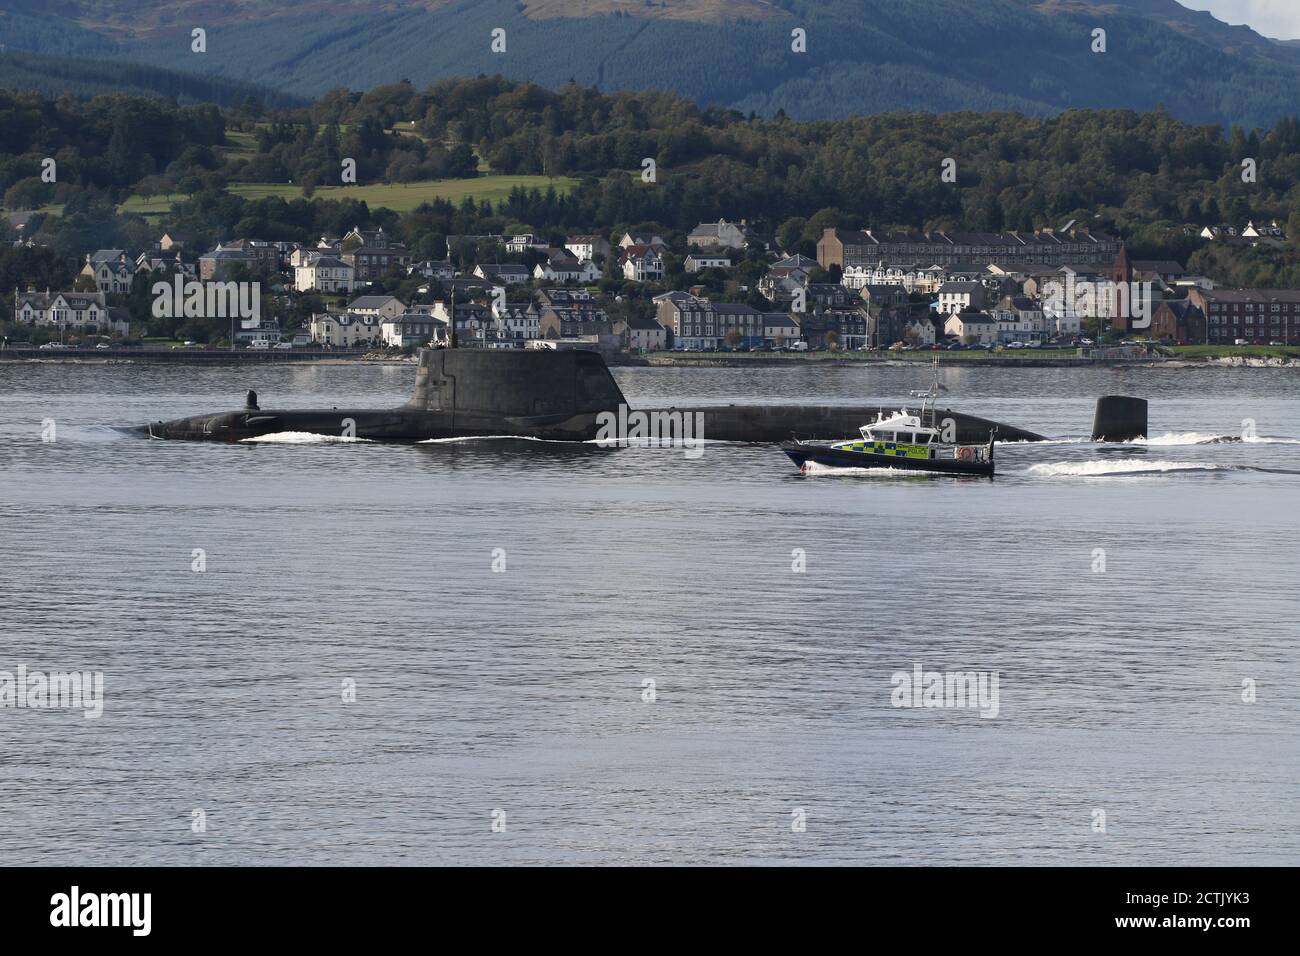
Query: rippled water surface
[[333, 565]]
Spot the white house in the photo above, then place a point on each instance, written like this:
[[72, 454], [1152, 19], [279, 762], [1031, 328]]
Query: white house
[[318, 273], [517, 323], [510, 273], [433, 269], [561, 267], [84, 311], [919, 332], [342, 330], [972, 328], [644, 334], [707, 260], [412, 329], [524, 242], [586, 248], [720, 235], [642, 264], [1019, 319], [955, 296], [912, 277], [380, 306]]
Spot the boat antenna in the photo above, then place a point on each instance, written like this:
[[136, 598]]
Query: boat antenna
[[930, 395]]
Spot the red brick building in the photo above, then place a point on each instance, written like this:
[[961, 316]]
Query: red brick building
[[1259, 316]]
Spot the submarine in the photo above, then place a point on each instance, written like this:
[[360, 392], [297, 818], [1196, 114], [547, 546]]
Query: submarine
[[564, 396]]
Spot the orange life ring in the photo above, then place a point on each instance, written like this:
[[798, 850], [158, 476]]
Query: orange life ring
[[964, 453]]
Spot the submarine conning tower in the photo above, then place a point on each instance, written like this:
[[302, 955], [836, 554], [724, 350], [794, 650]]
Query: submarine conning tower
[[1119, 418], [519, 383]]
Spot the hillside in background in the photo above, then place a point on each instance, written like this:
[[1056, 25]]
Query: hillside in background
[[55, 75], [863, 56]]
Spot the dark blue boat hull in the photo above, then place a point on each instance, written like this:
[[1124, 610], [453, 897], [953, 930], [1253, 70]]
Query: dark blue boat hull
[[801, 455]]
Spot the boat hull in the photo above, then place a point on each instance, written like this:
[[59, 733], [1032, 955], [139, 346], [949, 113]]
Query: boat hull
[[802, 455]]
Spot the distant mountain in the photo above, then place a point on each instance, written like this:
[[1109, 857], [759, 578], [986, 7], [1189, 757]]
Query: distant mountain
[[862, 56]]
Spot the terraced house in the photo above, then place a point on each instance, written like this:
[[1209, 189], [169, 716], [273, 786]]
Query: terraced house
[[1258, 316], [847, 248]]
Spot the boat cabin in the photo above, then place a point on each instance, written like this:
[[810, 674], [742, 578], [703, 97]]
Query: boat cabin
[[900, 429]]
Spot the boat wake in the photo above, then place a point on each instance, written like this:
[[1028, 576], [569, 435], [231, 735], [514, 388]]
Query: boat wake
[[1202, 438], [1122, 469], [814, 469], [461, 439], [1104, 469], [302, 438], [1168, 439]]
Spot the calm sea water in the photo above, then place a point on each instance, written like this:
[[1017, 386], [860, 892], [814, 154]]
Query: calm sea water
[[334, 565]]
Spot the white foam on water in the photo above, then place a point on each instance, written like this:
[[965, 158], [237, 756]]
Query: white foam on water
[[1101, 469], [1267, 440], [1175, 438], [301, 438], [600, 442], [814, 468], [1048, 441], [1205, 438], [468, 438]]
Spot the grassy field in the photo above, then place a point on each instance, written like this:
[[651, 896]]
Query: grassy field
[[400, 197], [404, 197]]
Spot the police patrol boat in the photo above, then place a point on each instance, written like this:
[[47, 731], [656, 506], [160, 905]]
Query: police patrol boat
[[901, 441]]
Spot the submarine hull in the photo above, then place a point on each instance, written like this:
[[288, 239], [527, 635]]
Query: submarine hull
[[559, 396], [736, 423]]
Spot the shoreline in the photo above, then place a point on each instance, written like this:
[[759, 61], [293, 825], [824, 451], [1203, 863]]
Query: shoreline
[[1233, 361], [654, 360]]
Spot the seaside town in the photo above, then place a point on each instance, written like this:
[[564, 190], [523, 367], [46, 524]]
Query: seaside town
[[726, 286]]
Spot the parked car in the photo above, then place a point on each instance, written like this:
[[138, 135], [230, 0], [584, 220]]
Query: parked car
[[1240, 342], [103, 345], [1276, 343], [283, 345], [1015, 345]]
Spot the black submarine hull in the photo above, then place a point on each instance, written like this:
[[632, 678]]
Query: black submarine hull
[[554, 395]]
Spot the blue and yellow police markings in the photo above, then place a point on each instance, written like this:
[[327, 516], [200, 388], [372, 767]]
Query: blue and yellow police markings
[[897, 449]]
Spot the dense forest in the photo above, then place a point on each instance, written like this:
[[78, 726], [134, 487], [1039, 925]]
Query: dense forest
[[1146, 176], [55, 75]]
